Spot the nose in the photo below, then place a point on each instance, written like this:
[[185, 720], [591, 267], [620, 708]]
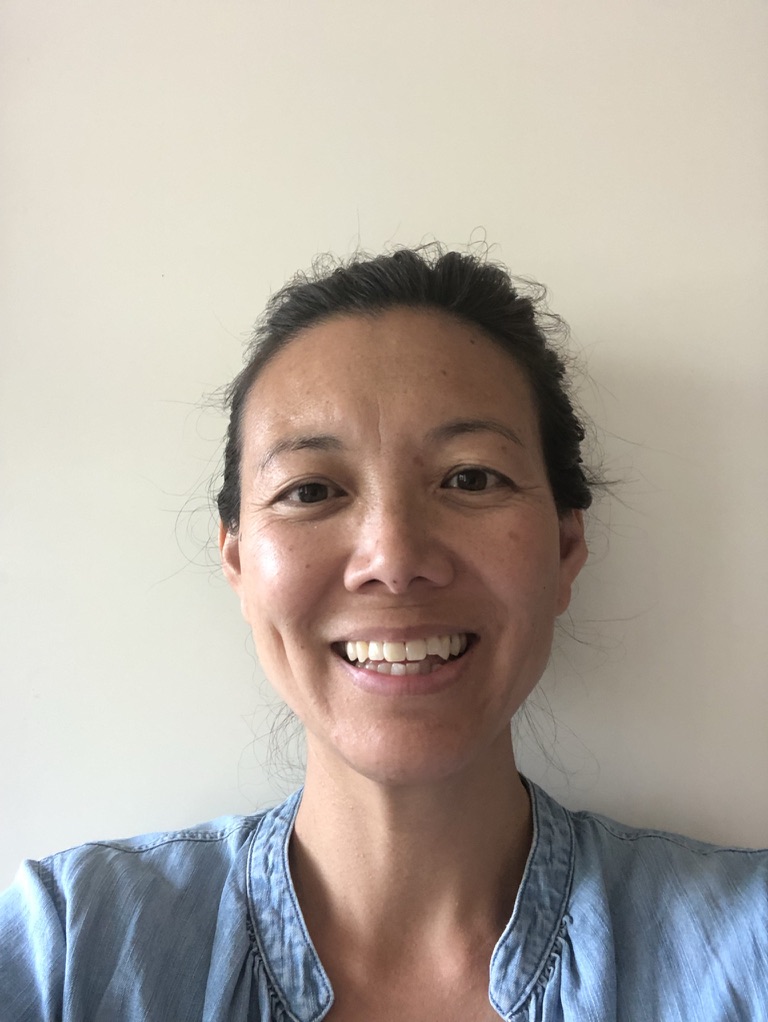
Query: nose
[[398, 545]]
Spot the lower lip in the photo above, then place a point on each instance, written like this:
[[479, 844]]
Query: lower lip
[[442, 677]]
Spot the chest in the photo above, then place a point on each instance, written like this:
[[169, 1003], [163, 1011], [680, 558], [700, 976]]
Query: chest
[[414, 999]]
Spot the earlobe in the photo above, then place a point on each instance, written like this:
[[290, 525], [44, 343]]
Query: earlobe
[[573, 555], [229, 547]]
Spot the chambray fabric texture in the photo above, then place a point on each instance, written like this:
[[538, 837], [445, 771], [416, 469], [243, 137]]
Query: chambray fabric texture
[[611, 923]]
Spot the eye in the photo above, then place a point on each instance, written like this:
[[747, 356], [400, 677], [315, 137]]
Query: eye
[[311, 492], [475, 480]]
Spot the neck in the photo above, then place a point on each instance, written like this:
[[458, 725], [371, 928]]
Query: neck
[[392, 865]]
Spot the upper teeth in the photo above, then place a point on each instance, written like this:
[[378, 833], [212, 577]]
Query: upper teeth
[[414, 649]]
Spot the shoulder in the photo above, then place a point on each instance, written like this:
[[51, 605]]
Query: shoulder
[[144, 880], [680, 875], [647, 854], [656, 914], [674, 906], [159, 876], [127, 914], [170, 859], [622, 870], [221, 837]]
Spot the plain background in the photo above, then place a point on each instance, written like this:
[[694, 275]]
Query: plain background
[[166, 165]]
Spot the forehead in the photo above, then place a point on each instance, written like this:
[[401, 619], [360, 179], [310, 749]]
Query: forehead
[[409, 368]]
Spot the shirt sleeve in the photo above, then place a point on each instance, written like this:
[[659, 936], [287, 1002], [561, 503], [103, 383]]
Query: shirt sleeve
[[32, 949]]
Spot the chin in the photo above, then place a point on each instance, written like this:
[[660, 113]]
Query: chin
[[409, 760]]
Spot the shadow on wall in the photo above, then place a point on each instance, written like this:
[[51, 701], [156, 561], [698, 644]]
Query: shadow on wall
[[657, 687]]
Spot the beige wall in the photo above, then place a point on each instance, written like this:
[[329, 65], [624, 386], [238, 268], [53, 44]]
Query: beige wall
[[165, 165]]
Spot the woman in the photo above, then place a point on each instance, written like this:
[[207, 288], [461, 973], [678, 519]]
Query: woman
[[401, 520]]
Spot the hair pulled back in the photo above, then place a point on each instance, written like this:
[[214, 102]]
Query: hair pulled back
[[470, 287]]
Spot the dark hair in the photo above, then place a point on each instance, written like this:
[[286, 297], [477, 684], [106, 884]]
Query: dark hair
[[464, 285]]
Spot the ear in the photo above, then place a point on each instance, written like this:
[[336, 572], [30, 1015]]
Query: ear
[[229, 548], [573, 554]]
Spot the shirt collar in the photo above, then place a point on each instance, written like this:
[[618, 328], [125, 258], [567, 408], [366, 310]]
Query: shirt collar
[[519, 960], [523, 951], [287, 952]]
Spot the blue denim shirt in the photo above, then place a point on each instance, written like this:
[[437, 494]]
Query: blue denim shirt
[[610, 923]]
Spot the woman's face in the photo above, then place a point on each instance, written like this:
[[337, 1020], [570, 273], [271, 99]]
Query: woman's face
[[400, 558]]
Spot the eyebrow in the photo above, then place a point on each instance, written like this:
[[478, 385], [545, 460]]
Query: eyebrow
[[309, 442], [443, 432], [458, 427]]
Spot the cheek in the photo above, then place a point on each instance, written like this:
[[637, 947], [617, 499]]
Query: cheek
[[527, 564], [282, 577]]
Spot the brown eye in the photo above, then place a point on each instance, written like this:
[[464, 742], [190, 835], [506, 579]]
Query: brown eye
[[471, 479], [311, 493], [476, 480]]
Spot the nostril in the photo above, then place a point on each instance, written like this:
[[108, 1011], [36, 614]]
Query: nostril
[[397, 559]]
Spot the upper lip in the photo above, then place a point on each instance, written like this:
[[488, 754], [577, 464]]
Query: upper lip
[[377, 633]]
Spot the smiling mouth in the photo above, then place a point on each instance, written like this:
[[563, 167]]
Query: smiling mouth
[[414, 656]]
